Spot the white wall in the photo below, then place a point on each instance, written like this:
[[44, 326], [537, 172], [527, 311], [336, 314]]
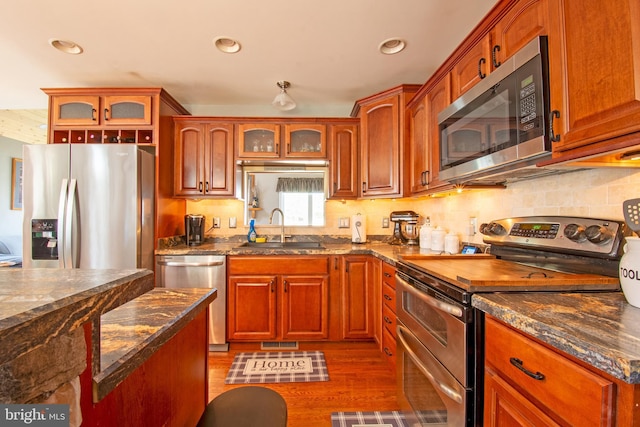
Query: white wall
[[10, 220]]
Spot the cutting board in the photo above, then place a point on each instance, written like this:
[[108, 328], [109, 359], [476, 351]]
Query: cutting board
[[490, 275], [411, 257]]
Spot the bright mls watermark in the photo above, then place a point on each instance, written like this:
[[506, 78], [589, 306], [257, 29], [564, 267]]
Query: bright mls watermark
[[34, 415]]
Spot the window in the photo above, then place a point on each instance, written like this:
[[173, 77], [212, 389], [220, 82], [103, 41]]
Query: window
[[302, 208]]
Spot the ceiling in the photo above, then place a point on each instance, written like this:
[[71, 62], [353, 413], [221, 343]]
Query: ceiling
[[328, 50]]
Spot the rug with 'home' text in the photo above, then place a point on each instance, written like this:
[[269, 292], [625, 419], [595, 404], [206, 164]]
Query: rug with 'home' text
[[277, 367]]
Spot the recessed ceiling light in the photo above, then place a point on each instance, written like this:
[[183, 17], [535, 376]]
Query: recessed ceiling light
[[227, 45], [391, 46], [66, 46]]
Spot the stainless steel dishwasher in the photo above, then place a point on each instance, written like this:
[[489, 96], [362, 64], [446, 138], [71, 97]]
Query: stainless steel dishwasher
[[199, 271]]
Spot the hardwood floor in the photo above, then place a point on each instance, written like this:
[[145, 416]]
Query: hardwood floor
[[359, 380]]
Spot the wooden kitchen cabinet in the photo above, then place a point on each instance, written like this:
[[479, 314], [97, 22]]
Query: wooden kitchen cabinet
[[258, 140], [343, 164], [389, 319], [528, 383], [133, 115], [382, 136], [358, 297], [278, 298], [521, 23], [203, 158], [418, 147], [595, 80], [305, 140], [438, 98]]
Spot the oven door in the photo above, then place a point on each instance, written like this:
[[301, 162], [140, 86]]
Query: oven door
[[439, 324], [428, 394]]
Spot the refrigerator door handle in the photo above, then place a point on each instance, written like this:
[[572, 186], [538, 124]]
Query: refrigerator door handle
[[69, 261], [62, 201]]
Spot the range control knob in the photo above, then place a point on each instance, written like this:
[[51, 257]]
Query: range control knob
[[492, 229], [598, 234], [575, 232]]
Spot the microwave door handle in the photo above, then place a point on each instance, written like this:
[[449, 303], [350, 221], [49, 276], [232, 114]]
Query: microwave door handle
[[62, 202], [435, 303], [448, 391]]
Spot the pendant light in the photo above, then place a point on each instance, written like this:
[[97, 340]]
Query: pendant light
[[283, 101]]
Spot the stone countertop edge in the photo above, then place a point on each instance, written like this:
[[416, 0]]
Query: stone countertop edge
[[137, 329], [84, 295], [600, 329]]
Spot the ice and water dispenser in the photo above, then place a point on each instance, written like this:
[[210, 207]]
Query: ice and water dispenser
[[44, 239]]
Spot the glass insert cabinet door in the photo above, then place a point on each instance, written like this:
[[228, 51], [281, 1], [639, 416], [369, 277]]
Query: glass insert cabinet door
[[305, 140], [257, 140]]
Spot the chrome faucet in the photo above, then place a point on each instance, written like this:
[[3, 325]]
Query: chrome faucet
[[281, 225]]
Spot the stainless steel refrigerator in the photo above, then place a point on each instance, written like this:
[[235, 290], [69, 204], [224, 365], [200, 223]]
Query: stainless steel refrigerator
[[88, 206]]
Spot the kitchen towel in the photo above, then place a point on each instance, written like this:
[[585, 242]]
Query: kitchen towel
[[359, 229], [277, 367]]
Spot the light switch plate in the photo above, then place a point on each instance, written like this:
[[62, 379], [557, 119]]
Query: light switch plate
[[344, 223], [232, 222], [385, 222]]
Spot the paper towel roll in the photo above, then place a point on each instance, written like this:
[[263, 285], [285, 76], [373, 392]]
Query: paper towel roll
[[358, 229]]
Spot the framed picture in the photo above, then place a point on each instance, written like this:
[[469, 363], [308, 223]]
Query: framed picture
[[16, 184]]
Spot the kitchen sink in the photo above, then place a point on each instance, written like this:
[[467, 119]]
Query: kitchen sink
[[279, 245]]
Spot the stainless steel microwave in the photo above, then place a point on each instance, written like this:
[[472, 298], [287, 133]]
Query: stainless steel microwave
[[499, 127]]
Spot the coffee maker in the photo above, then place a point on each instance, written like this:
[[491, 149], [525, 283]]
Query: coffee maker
[[194, 229], [405, 230]]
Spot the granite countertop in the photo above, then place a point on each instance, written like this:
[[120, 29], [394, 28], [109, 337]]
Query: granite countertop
[[37, 305], [131, 333], [601, 329]]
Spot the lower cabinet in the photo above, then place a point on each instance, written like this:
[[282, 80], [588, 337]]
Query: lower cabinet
[[278, 298], [527, 383], [359, 297]]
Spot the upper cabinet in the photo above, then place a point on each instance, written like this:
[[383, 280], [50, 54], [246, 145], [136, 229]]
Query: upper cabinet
[[282, 140], [523, 22], [382, 133], [203, 155], [343, 164], [595, 78], [107, 115]]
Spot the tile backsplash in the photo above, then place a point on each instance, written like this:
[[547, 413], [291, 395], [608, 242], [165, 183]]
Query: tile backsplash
[[590, 193]]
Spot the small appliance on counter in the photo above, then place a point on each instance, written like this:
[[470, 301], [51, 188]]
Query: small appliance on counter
[[194, 229], [405, 230]]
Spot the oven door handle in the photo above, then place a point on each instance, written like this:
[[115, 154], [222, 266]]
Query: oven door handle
[[433, 302], [448, 391]]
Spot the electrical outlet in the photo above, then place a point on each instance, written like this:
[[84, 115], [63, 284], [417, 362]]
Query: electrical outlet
[[216, 222], [344, 223], [232, 222], [385, 222]]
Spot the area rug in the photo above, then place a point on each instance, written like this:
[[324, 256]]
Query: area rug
[[370, 419], [277, 367]]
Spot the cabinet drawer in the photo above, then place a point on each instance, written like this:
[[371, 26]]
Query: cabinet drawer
[[389, 319], [285, 264], [577, 395], [389, 275], [388, 296], [389, 347]]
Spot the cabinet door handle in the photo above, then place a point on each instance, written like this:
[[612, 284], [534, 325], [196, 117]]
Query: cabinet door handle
[[335, 263], [200, 186], [277, 148], [388, 352], [387, 320], [387, 297], [520, 365], [288, 148], [273, 286], [481, 62], [555, 114], [364, 186], [286, 284], [494, 57], [93, 114], [335, 187], [106, 110], [206, 186], [386, 274]]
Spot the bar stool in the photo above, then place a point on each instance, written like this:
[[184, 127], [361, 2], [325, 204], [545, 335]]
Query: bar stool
[[247, 406]]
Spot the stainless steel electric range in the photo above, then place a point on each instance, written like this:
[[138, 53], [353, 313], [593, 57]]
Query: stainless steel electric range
[[440, 335]]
